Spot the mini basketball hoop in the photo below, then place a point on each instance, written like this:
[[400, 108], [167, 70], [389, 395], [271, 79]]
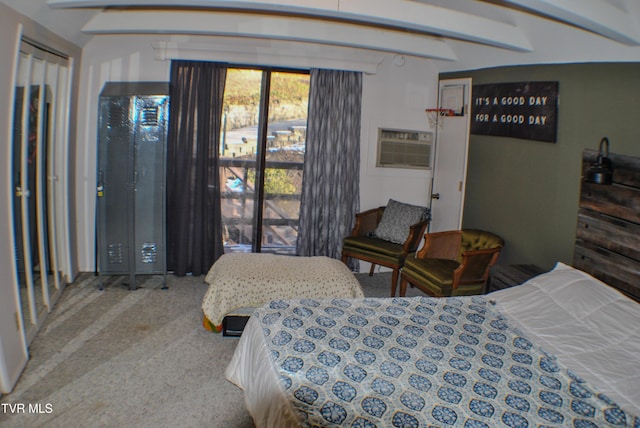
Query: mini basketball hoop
[[434, 115]]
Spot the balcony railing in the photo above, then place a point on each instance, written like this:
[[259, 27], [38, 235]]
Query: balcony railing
[[280, 217]]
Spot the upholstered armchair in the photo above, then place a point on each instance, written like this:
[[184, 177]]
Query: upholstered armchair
[[386, 235], [452, 263]]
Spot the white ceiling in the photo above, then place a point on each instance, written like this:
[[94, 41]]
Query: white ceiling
[[424, 28]]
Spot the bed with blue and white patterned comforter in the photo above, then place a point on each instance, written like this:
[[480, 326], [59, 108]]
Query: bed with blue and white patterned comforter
[[409, 362]]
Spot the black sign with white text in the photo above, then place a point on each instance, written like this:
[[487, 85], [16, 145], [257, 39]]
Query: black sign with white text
[[527, 110]]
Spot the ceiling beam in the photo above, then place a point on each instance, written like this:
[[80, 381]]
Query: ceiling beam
[[268, 26], [276, 53], [438, 20], [402, 14], [596, 16]]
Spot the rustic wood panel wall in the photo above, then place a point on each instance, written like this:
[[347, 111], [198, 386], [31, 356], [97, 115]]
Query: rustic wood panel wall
[[608, 232]]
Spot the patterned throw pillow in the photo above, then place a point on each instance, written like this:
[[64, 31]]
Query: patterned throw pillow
[[396, 220]]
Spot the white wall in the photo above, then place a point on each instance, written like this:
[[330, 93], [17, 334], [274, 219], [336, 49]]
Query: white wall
[[395, 96]]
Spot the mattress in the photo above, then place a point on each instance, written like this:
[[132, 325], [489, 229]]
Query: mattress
[[563, 327], [242, 281]]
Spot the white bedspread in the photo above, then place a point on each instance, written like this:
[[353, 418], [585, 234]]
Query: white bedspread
[[240, 280], [589, 326]]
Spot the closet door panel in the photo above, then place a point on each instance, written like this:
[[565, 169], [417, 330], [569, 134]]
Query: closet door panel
[[39, 145]]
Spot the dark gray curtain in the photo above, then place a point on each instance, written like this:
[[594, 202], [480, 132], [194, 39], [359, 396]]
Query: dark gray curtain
[[330, 189], [194, 232]]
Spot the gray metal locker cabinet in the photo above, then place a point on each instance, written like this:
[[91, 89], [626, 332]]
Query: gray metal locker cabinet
[[132, 134]]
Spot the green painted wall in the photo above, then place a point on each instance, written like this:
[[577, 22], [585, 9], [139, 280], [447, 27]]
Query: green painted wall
[[528, 191]]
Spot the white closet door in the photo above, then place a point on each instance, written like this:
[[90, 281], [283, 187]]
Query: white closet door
[[451, 153], [39, 142]]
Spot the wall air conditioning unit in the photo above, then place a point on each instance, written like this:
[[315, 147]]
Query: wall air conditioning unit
[[398, 148]]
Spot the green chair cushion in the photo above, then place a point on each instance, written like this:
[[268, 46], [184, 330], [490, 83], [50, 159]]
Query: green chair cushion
[[373, 249], [371, 244], [435, 276], [435, 271], [468, 290]]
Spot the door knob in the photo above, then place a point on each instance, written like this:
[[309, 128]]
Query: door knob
[[435, 196]]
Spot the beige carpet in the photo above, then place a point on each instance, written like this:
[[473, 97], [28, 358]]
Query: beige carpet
[[120, 358]]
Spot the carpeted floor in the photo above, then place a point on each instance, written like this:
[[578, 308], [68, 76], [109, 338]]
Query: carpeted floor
[[120, 358]]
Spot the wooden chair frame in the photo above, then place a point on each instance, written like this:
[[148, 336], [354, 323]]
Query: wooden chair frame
[[366, 222], [446, 245]]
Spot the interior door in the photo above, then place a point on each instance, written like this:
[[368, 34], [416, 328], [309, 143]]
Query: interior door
[[451, 153]]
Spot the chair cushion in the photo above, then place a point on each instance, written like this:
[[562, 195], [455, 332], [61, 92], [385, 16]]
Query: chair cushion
[[434, 271], [434, 276], [396, 220], [372, 244], [374, 250]]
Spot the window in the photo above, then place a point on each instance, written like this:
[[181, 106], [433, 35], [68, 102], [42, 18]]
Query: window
[[262, 151]]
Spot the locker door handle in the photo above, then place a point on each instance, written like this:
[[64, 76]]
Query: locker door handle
[[100, 186], [435, 196]]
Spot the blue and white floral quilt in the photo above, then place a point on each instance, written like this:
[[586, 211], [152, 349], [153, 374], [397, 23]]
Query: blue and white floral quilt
[[421, 362]]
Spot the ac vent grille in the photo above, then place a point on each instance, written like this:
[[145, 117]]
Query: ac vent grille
[[404, 149]]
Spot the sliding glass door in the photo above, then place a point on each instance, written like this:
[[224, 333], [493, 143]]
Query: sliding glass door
[[262, 151], [41, 102]]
